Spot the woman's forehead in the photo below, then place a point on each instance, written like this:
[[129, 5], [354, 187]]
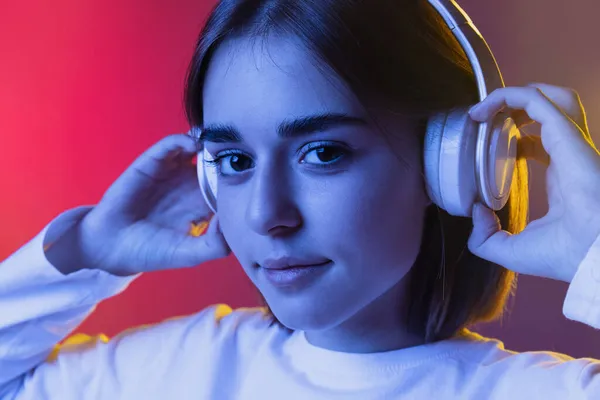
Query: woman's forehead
[[269, 81], [254, 87]]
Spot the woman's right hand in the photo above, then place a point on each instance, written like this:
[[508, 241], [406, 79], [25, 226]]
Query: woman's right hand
[[143, 221]]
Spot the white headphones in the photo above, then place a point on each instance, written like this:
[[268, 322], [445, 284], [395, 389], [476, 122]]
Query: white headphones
[[464, 161]]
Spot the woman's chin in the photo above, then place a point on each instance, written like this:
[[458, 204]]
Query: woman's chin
[[305, 318]]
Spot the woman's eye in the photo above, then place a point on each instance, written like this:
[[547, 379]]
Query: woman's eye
[[234, 164], [323, 155], [231, 162]]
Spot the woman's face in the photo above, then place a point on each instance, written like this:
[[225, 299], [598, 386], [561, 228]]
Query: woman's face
[[306, 174]]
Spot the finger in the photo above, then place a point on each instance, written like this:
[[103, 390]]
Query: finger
[[529, 100], [562, 138], [165, 149], [207, 247], [531, 148], [521, 118], [198, 228], [169, 157], [195, 133], [568, 101], [158, 163], [488, 240]]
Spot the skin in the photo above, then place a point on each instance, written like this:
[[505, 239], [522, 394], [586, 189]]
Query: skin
[[364, 213]]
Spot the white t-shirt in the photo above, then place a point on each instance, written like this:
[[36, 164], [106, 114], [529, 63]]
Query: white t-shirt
[[222, 354]]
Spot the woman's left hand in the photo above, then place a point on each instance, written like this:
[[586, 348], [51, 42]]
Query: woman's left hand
[[554, 245]]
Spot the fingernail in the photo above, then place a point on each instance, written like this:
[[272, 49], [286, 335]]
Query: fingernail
[[474, 109], [198, 228], [478, 211]]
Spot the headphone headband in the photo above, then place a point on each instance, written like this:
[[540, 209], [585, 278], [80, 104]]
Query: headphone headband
[[478, 52], [488, 78]]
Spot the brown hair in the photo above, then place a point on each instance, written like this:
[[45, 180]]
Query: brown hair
[[401, 54]]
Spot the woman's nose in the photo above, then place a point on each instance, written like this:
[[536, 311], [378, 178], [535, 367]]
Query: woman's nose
[[271, 208]]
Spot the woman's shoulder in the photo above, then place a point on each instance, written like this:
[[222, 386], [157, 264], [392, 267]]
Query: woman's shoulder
[[221, 321], [487, 351], [216, 331], [191, 342], [491, 360]]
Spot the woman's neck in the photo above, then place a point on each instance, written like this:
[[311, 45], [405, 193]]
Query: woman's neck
[[378, 327]]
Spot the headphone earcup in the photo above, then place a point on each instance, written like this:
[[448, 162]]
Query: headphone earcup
[[449, 161], [207, 178], [465, 161], [431, 156]]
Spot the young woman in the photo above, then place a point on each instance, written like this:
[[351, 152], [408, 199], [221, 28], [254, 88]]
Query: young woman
[[313, 114]]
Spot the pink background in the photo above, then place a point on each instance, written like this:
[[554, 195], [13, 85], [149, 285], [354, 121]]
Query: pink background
[[85, 86]]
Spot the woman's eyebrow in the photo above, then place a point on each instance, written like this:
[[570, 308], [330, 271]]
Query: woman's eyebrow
[[218, 133]]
